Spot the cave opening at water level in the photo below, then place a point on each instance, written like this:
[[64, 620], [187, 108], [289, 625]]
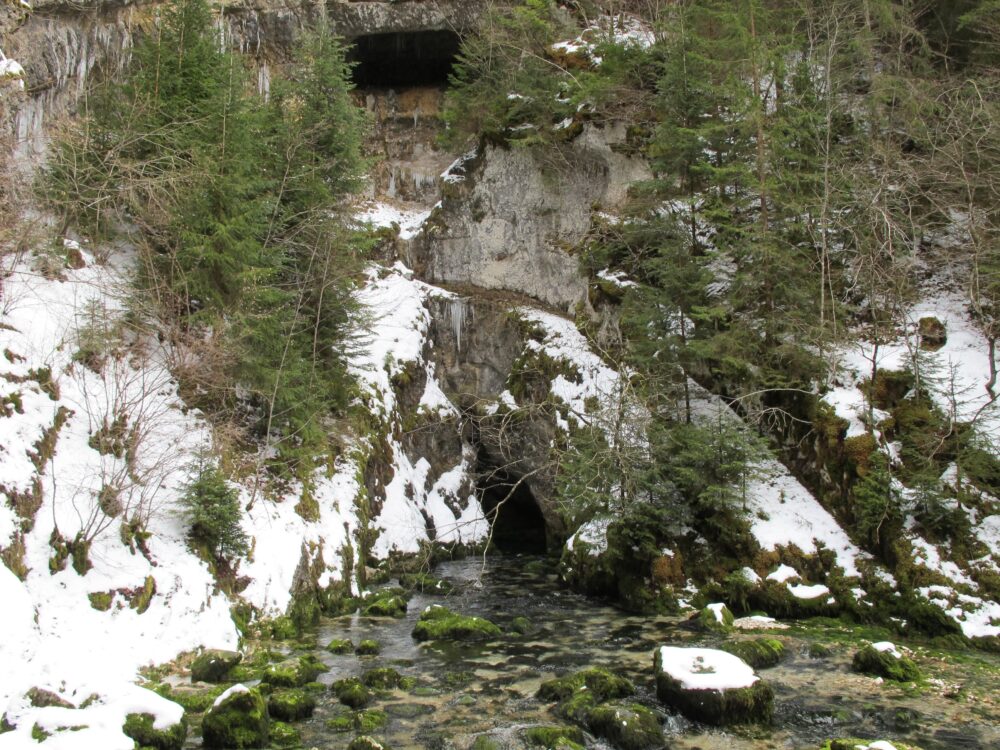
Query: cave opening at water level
[[518, 526], [405, 59]]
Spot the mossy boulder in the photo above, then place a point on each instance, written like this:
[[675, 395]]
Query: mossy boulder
[[283, 628], [192, 699], [140, 728], [885, 660], [239, 720], [364, 742], [383, 678], [759, 653], [284, 735], [368, 647], [933, 334], [385, 603], [440, 623], [711, 686], [351, 692], [291, 705], [340, 646], [716, 618], [358, 721], [601, 684], [554, 737], [425, 584], [214, 665], [522, 626], [627, 726], [294, 672]]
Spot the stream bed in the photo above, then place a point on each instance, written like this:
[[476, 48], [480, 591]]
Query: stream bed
[[461, 691]]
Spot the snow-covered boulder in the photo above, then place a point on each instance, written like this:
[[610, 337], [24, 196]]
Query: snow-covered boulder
[[711, 686]]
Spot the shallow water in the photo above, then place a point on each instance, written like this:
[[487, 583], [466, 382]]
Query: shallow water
[[464, 690]]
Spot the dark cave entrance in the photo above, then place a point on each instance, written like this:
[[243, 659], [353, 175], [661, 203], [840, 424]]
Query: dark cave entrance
[[516, 520], [404, 60]]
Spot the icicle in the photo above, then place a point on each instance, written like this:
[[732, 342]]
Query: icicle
[[457, 313]]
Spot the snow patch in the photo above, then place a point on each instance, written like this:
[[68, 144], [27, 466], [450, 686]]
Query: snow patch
[[705, 668]]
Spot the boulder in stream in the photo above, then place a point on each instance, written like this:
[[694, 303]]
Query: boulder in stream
[[883, 659], [440, 623], [238, 719], [214, 665], [712, 686]]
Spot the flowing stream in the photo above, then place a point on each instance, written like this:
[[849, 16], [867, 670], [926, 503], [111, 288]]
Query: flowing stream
[[463, 691]]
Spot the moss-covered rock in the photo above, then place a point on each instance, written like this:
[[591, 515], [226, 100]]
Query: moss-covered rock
[[885, 660], [627, 726], [440, 623], [291, 705], [294, 672], [759, 653], [369, 721], [716, 618], [383, 678], [214, 665], [191, 699], [368, 647], [385, 603], [283, 628], [284, 735], [522, 626], [553, 737], [140, 728], [351, 692], [601, 685], [425, 584], [364, 742], [238, 721], [340, 646], [711, 686]]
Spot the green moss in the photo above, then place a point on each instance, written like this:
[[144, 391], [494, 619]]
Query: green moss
[[101, 600], [554, 736], [240, 721], [600, 683], [192, 701], [294, 672], [440, 623], [485, 743], [244, 673], [759, 653], [869, 660], [521, 626], [457, 679], [291, 705], [627, 726], [38, 734], [283, 628], [577, 707], [716, 618], [340, 646], [369, 721], [351, 692], [284, 735], [383, 678], [214, 665], [425, 584], [368, 647], [385, 603], [820, 651], [140, 728]]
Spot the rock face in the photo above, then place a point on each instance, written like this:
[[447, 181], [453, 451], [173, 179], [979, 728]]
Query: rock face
[[508, 222]]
